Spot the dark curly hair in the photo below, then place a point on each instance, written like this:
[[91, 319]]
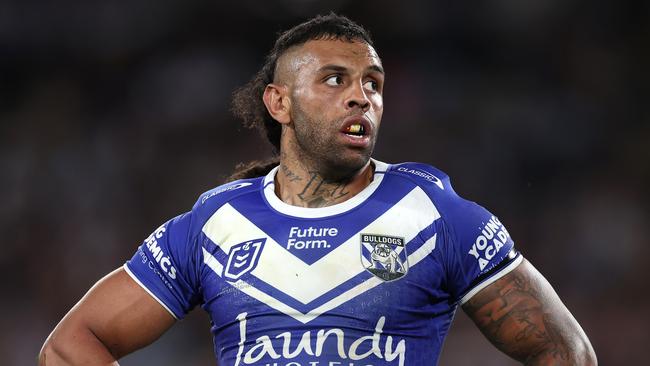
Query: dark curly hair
[[247, 101]]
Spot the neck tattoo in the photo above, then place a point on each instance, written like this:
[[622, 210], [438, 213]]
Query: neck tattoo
[[317, 192]]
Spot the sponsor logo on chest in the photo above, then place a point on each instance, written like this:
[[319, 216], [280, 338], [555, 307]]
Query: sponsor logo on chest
[[310, 237]]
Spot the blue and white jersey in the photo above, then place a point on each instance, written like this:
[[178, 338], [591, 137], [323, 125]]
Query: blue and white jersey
[[374, 280]]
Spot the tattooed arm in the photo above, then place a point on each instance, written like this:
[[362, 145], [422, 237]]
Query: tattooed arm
[[523, 316]]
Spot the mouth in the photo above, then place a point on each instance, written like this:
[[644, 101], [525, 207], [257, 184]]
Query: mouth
[[356, 127]]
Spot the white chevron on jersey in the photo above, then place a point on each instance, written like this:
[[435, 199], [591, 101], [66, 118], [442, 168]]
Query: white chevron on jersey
[[305, 282], [278, 305], [212, 262]]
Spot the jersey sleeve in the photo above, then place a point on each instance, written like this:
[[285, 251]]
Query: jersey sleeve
[[164, 266], [480, 249]]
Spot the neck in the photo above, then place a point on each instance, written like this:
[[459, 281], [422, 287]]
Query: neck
[[301, 186]]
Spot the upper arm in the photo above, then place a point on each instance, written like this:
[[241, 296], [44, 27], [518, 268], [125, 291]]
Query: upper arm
[[116, 315], [522, 315]]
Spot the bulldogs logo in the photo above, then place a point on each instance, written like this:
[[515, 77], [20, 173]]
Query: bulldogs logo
[[384, 256], [243, 258]]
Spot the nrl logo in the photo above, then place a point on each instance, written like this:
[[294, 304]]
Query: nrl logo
[[243, 258], [384, 256]]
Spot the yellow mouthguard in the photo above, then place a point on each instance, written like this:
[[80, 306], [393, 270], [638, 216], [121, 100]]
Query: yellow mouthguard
[[355, 128]]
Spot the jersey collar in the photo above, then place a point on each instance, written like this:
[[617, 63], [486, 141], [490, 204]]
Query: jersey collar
[[307, 212]]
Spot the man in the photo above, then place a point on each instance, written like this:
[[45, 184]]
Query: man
[[331, 257]]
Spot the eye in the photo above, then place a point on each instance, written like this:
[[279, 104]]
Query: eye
[[334, 80], [371, 85]]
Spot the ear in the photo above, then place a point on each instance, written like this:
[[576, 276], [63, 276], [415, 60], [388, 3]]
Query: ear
[[276, 100]]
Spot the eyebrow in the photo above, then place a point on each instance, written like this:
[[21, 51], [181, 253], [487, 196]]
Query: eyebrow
[[338, 68], [377, 68]]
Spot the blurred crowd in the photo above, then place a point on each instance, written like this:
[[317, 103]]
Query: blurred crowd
[[114, 117]]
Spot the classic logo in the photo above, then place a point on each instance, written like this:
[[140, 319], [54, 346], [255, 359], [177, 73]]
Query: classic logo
[[224, 189], [384, 256], [426, 175], [243, 258]]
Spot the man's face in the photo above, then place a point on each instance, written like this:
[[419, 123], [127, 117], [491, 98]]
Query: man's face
[[335, 89]]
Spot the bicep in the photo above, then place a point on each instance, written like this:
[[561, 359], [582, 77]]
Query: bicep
[[119, 313], [522, 315]]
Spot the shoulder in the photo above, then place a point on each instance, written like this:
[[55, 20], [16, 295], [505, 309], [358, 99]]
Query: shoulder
[[423, 175], [210, 201], [474, 243], [437, 186], [435, 183]]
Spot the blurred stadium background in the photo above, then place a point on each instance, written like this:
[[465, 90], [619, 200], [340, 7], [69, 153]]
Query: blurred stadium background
[[114, 117]]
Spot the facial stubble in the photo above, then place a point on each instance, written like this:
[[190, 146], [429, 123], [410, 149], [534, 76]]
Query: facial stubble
[[318, 150]]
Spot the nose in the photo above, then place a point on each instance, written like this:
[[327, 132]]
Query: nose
[[357, 98]]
